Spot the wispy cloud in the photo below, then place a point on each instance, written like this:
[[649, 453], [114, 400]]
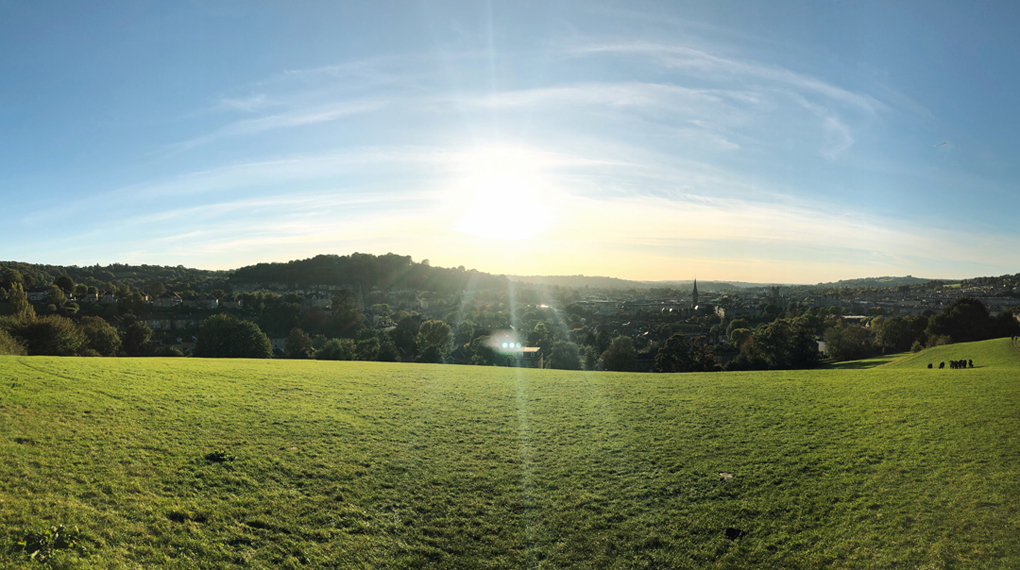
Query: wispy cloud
[[288, 119], [695, 60]]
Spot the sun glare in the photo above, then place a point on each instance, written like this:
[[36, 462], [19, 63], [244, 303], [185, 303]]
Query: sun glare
[[500, 194]]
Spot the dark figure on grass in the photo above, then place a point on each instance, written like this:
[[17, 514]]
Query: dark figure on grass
[[942, 365], [929, 366]]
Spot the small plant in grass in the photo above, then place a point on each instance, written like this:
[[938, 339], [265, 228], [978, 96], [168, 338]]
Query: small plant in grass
[[219, 456], [42, 545]]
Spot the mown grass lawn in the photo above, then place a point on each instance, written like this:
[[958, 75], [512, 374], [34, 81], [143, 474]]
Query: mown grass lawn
[[357, 465]]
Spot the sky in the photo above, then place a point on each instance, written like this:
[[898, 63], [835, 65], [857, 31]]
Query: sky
[[780, 141]]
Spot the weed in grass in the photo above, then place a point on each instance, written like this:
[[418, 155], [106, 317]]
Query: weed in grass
[[219, 456], [41, 546]]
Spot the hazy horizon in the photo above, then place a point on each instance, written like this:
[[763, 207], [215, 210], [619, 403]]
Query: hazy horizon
[[767, 143]]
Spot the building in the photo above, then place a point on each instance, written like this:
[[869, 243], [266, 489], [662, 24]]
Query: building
[[527, 356]]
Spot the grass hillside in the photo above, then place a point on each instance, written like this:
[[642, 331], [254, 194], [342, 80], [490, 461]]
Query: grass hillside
[[190, 463], [995, 353]]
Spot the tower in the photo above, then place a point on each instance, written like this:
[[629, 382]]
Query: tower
[[694, 295]]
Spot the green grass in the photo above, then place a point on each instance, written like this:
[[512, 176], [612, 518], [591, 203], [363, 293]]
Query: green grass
[[357, 465], [997, 353]]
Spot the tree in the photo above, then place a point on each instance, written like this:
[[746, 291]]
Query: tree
[[11, 277], [100, 337], [347, 316], [51, 335], [136, 338], [780, 345], [299, 344], [482, 351], [156, 289], [367, 348], [465, 333], [851, 342], [678, 354], [55, 296], [565, 356], [738, 337], [65, 283], [337, 349], [225, 336], [20, 308], [898, 334], [405, 337], [964, 320], [619, 356], [736, 324], [10, 346], [434, 342]]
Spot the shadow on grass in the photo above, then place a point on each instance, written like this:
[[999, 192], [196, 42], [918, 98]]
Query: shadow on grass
[[862, 364]]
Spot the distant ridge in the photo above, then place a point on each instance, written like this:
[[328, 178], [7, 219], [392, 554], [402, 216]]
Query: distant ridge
[[578, 281], [882, 281]]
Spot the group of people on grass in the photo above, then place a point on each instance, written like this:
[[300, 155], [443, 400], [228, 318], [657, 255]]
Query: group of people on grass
[[954, 364]]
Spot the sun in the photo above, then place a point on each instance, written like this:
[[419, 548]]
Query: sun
[[501, 195]]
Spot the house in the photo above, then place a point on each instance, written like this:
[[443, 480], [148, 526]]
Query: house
[[37, 295], [159, 324], [167, 300], [526, 356], [202, 302], [108, 299]]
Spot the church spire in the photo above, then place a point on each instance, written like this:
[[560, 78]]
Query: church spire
[[694, 295]]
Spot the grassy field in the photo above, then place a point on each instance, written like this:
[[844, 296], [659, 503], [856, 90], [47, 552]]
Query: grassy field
[[189, 463]]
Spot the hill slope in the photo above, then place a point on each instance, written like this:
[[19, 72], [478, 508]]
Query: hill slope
[[994, 353], [189, 463]]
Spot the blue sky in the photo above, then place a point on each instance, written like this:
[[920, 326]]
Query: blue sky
[[792, 142]]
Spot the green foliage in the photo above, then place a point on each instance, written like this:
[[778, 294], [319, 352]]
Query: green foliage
[[619, 357], [898, 334], [225, 336], [405, 337], [219, 456], [136, 338], [168, 352], [9, 345], [434, 342], [17, 299], [564, 356], [849, 342], [299, 344], [347, 317], [100, 337], [738, 337], [50, 335], [367, 348], [967, 320], [784, 344], [338, 349], [678, 354], [64, 282], [42, 546]]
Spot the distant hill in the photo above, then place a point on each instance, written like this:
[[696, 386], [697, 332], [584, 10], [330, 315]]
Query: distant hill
[[136, 276], [579, 281], [596, 282], [365, 271], [881, 282]]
